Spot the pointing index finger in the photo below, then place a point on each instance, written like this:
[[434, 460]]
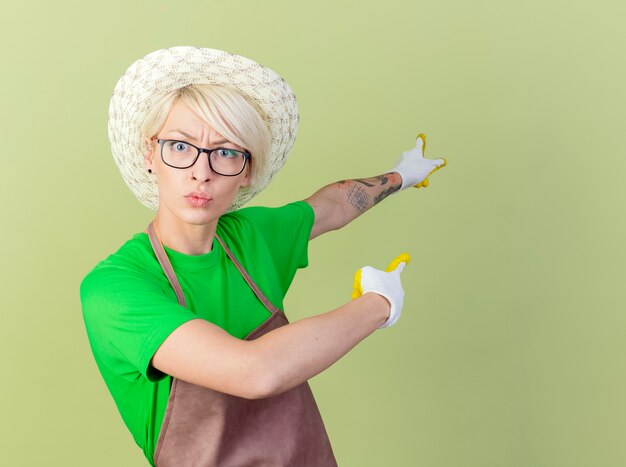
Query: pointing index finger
[[420, 142]]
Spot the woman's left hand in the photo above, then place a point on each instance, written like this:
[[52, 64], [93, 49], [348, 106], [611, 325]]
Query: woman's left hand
[[413, 168]]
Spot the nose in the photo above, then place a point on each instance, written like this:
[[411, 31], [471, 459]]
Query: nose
[[201, 170]]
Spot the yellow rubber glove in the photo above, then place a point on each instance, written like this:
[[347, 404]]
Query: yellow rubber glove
[[413, 168], [386, 283]]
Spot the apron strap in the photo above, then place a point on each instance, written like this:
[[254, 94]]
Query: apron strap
[[166, 265], [255, 288]]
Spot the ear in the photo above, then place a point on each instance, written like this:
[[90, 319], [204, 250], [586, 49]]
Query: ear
[[148, 158]]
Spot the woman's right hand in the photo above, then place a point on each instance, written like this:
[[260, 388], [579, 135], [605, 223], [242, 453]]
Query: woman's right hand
[[385, 283]]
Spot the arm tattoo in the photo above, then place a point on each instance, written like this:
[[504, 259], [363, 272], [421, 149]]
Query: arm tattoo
[[363, 193], [363, 182], [371, 182], [383, 194], [358, 198]]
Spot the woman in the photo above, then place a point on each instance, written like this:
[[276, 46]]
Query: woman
[[185, 320]]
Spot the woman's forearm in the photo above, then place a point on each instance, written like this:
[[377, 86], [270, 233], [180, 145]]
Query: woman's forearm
[[202, 353], [339, 203], [292, 354]]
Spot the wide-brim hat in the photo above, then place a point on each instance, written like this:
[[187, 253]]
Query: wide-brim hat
[[163, 71]]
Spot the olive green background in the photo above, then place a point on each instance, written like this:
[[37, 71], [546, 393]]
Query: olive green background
[[511, 349]]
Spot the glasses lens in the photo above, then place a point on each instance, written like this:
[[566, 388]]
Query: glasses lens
[[227, 161], [178, 153]]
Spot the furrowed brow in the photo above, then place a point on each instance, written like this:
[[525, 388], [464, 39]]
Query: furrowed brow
[[186, 135]]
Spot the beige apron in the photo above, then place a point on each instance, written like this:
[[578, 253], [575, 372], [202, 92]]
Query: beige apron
[[203, 427]]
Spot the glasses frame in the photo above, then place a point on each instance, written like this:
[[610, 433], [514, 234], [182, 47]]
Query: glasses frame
[[208, 151]]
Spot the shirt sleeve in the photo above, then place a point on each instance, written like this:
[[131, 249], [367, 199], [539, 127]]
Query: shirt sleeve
[[286, 231], [128, 317]]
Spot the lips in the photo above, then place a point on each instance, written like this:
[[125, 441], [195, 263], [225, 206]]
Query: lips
[[198, 194], [198, 199]]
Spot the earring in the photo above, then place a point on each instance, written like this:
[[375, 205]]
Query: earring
[[149, 171]]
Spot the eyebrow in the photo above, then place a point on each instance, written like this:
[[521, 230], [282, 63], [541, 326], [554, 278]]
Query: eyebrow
[[191, 137]]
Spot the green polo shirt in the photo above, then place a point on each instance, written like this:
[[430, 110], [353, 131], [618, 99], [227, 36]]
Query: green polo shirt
[[129, 307]]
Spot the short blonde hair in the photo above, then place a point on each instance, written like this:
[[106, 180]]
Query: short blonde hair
[[224, 110]]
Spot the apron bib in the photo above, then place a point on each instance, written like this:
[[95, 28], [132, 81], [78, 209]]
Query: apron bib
[[203, 427]]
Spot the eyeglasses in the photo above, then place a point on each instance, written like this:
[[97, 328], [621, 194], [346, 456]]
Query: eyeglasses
[[182, 155]]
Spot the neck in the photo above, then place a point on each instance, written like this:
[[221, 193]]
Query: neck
[[189, 239]]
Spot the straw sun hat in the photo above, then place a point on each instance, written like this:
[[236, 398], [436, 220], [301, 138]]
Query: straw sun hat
[[156, 74]]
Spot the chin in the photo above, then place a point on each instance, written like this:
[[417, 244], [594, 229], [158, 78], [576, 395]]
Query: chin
[[201, 216], [198, 217], [180, 211]]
